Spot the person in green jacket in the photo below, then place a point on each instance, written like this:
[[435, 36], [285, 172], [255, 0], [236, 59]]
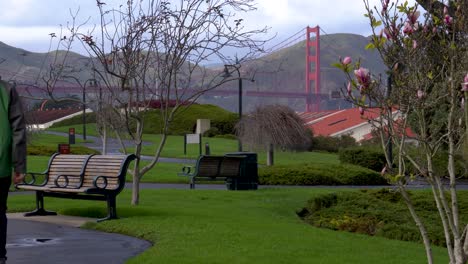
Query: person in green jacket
[[12, 152]]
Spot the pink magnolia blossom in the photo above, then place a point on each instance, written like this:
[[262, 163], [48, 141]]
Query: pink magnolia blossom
[[445, 10], [465, 84], [415, 44], [348, 87], [388, 33], [347, 60], [361, 110], [462, 103], [408, 28], [413, 16], [421, 94], [448, 20], [363, 77]]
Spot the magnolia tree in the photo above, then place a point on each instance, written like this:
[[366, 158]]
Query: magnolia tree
[[155, 50], [426, 54]]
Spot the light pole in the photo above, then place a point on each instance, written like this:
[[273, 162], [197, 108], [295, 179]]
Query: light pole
[[93, 84], [227, 74]]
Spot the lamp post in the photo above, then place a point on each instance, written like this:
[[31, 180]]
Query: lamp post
[[227, 74], [93, 83]]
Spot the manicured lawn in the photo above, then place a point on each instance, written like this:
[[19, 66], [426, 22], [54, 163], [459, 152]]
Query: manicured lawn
[[207, 226], [48, 139]]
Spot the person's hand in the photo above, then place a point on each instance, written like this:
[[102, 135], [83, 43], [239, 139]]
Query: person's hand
[[18, 178]]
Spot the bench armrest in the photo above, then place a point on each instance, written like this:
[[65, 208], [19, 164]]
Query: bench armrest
[[33, 178], [67, 181], [100, 182], [186, 171]]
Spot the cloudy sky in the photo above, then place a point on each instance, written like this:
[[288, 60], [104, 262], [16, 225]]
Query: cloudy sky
[[27, 23]]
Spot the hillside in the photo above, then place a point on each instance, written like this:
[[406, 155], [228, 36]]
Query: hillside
[[283, 70]]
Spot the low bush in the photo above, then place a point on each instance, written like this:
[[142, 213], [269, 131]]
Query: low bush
[[331, 144], [371, 159], [212, 132], [44, 150], [319, 174], [377, 212]]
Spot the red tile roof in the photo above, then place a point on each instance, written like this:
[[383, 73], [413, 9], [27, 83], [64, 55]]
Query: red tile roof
[[337, 121]]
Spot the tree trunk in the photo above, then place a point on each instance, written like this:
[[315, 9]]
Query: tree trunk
[[136, 183], [104, 140], [419, 223], [270, 155]]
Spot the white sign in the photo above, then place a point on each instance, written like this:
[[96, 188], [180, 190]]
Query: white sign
[[193, 138]]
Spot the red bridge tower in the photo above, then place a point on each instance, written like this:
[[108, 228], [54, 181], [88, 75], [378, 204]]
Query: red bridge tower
[[312, 72]]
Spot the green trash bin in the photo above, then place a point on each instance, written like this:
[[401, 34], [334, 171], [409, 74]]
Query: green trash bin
[[248, 174]]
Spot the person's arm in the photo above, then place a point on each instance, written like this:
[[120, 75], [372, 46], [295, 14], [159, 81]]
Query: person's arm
[[18, 127]]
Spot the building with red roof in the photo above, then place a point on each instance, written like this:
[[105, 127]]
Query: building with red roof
[[344, 122]]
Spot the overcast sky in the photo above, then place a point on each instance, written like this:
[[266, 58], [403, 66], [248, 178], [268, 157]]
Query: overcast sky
[[27, 23]]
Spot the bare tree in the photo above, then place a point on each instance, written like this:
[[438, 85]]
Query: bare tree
[[273, 126], [155, 50]]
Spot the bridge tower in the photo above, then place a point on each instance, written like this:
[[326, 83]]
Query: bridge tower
[[312, 69]]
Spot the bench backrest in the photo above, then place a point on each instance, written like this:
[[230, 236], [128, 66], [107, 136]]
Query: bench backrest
[[230, 166], [208, 166], [70, 165], [112, 167]]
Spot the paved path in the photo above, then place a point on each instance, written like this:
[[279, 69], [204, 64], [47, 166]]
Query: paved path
[[31, 241]]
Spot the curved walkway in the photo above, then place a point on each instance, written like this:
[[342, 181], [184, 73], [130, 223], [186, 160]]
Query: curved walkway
[[33, 241]]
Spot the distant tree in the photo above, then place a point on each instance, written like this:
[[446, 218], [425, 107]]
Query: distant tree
[[273, 126]]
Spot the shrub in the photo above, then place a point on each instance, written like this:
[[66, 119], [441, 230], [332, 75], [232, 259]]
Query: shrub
[[377, 212], [226, 136], [319, 174], [46, 150], [211, 132], [363, 157], [331, 144]]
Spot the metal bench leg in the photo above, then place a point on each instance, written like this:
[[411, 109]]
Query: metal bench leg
[[192, 182], [111, 209], [40, 206]]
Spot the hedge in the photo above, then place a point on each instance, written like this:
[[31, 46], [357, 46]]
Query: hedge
[[319, 174], [43, 150]]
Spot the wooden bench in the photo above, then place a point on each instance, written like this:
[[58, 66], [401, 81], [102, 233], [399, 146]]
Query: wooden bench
[[87, 177], [213, 168]]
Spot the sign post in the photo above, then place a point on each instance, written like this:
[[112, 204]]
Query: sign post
[[71, 135], [192, 139]]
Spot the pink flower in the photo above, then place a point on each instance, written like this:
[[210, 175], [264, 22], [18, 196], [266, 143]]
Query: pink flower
[[465, 84], [421, 94], [415, 44], [448, 20], [462, 103], [347, 60], [348, 87], [408, 29], [361, 110], [363, 77], [413, 16], [445, 10], [388, 33]]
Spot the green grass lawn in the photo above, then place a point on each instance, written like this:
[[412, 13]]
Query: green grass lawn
[[207, 226]]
